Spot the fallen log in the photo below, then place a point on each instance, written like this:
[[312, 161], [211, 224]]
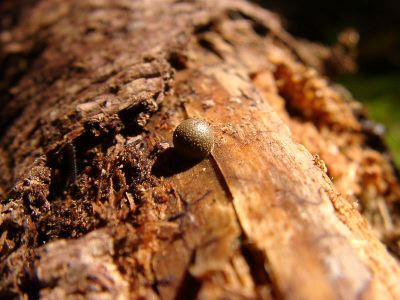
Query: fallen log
[[298, 200]]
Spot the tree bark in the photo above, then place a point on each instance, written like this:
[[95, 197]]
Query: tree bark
[[299, 199]]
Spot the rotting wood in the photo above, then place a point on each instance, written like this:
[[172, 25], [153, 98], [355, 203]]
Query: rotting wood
[[259, 218]]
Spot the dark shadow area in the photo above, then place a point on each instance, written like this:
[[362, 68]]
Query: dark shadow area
[[178, 60], [30, 285], [129, 118], [68, 161], [63, 166], [13, 67], [189, 287], [169, 163], [377, 22]]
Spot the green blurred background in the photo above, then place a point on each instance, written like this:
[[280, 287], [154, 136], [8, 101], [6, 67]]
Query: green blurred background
[[380, 92], [377, 82]]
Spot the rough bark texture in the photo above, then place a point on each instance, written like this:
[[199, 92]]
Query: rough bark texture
[[294, 202]]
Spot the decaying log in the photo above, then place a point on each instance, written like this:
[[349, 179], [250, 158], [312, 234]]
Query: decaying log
[[299, 199]]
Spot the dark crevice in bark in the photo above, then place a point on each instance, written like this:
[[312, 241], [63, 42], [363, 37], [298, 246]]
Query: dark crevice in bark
[[129, 118], [70, 213], [189, 287], [209, 46], [15, 234], [67, 161], [256, 261], [178, 61], [292, 110], [203, 28], [30, 285], [258, 27]]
